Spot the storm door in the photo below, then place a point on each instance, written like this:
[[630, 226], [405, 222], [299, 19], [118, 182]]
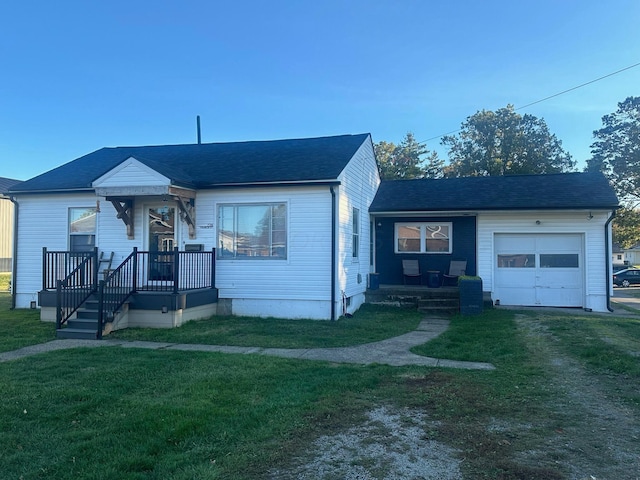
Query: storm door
[[162, 239]]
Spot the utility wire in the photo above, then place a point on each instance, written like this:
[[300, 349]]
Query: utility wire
[[546, 98]]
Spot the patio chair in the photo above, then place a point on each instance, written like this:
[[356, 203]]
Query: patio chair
[[456, 268], [411, 269]]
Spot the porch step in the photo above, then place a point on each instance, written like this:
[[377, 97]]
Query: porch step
[[443, 306], [436, 301], [78, 333], [85, 325]]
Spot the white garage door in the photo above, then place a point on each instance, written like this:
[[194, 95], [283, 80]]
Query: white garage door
[[540, 269]]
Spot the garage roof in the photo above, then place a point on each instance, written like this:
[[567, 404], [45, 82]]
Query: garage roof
[[515, 192]]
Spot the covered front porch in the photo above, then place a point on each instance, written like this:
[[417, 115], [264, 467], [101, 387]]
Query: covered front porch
[[87, 297], [432, 243]]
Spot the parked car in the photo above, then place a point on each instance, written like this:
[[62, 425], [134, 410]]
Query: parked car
[[626, 277]]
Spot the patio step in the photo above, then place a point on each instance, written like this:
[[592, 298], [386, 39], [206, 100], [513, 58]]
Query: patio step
[[85, 323], [438, 301], [445, 306], [78, 333]]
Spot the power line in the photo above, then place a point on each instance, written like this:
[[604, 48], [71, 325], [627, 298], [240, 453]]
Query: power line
[[546, 98]]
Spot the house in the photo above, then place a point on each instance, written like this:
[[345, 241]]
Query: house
[[6, 220], [618, 260], [631, 255], [535, 240], [267, 228], [158, 235]]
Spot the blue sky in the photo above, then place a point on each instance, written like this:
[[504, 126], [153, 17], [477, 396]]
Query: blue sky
[[77, 75]]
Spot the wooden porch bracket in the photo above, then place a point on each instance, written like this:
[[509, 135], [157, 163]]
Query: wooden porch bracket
[[188, 213], [124, 207]]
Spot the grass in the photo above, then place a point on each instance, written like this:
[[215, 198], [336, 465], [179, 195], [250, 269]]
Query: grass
[[369, 324], [137, 414], [21, 327], [132, 414], [605, 345]]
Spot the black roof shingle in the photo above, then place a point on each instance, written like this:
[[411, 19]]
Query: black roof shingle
[[212, 164], [6, 184], [514, 192]]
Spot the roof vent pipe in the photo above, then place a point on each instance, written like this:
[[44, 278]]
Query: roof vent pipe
[[198, 128]]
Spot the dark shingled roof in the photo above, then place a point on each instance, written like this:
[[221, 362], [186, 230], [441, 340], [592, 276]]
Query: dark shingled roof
[[6, 184], [514, 192], [212, 164]]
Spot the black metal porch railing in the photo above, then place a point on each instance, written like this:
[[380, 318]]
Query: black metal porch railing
[[74, 276], [73, 290], [115, 289], [170, 271], [58, 265], [173, 271]]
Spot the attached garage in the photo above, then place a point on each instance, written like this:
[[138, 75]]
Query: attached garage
[[535, 240], [539, 269]]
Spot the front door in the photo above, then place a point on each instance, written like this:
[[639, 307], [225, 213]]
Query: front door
[[162, 239]]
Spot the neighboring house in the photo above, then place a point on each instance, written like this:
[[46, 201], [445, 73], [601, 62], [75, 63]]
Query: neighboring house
[[535, 240], [6, 224], [618, 257], [632, 255], [287, 221]]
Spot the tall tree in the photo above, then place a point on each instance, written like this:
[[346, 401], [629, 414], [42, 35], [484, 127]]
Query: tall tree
[[616, 151], [626, 227], [504, 143], [409, 159]]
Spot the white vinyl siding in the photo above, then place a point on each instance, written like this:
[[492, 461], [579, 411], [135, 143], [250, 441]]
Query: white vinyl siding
[[306, 273], [358, 185], [36, 211], [131, 173], [596, 282]]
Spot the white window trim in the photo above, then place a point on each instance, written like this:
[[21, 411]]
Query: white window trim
[[250, 258], [422, 226], [355, 234], [71, 234]]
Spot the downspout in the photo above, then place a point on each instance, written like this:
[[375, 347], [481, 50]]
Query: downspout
[[333, 253], [607, 256], [14, 254]]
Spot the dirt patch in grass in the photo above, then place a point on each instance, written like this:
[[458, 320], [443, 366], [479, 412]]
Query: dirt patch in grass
[[390, 443], [584, 431], [595, 435]]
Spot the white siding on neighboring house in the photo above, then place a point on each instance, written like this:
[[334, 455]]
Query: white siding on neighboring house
[[632, 256], [594, 255], [358, 185]]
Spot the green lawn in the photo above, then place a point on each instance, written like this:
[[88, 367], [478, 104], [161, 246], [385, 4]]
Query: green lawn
[[369, 324], [22, 327], [127, 413]]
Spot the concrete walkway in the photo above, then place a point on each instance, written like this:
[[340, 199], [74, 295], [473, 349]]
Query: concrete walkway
[[624, 301], [392, 351]]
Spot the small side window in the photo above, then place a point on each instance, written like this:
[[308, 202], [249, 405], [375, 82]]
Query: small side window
[[82, 229]]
